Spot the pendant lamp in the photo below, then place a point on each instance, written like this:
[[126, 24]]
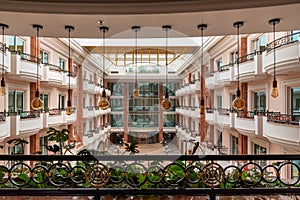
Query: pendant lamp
[[238, 103], [167, 103], [136, 89], [69, 102], [37, 103], [103, 103]]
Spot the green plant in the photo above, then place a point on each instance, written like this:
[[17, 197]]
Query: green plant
[[59, 136], [131, 148]]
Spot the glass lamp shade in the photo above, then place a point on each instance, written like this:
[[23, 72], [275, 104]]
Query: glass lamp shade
[[167, 103], [69, 108], [2, 88], [37, 103], [135, 93], [238, 103], [103, 103], [274, 92]]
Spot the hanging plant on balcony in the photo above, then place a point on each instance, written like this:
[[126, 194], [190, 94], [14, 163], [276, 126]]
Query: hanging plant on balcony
[[131, 148]]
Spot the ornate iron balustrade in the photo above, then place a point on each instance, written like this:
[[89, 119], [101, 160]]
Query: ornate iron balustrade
[[147, 175], [224, 67], [248, 57], [30, 58], [277, 117], [285, 40]]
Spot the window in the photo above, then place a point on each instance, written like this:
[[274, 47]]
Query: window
[[84, 127], [234, 56], [61, 102], [75, 69], [44, 56], [90, 125], [83, 102], [259, 44], [91, 102], [45, 99], [43, 145], [17, 149], [219, 101], [220, 138], [219, 64], [259, 101], [295, 100], [15, 101], [260, 150], [16, 44], [61, 63], [294, 36], [234, 145]]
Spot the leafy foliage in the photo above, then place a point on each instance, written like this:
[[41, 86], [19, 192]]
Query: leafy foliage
[[131, 148]]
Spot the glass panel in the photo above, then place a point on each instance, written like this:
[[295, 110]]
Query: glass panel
[[234, 145], [259, 101], [295, 100], [19, 101], [11, 43], [11, 101]]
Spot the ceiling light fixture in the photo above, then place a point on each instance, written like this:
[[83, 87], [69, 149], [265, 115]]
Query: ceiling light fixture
[[202, 27], [136, 88], [274, 92], [167, 103], [37, 103], [238, 103], [3, 49], [103, 103], [69, 102]]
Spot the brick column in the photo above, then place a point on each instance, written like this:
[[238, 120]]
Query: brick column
[[211, 65], [34, 142], [242, 144], [243, 48], [71, 133], [244, 94], [161, 123], [126, 112], [203, 95]]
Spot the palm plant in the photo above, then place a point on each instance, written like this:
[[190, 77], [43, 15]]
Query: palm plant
[[131, 148]]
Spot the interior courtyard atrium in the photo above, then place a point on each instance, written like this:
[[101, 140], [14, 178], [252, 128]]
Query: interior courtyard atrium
[[142, 99]]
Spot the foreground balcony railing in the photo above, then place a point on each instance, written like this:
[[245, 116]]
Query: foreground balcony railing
[[88, 175]]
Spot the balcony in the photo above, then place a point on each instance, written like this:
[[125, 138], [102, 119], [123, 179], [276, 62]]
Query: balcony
[[53, 74], [250, 66], [89, 112], [7, 58], [282, 129], [97, 89], [225, 74], [55, 117], [24, 66], [223, 117], [26, 122], [88, 86], [73, 80], [130, 175], [195, 112], [4, 126], [287, 55], [249, 122], [211, 80], [70, 119], [91, 138], [210, 116]]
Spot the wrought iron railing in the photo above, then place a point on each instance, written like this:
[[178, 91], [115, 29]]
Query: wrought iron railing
[[285, 40], [30, 58], [283, 118], [224, 67], [148, 175], [249, 57]]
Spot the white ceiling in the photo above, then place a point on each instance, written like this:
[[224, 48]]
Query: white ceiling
[[20, 15]]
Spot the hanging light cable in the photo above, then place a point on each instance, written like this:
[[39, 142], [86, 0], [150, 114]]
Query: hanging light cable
[[274, 92], [69, 102], [202, 27], [238, 103], [103, 103], [167, 103], [2, 88], [37, 103], [136, 89]]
